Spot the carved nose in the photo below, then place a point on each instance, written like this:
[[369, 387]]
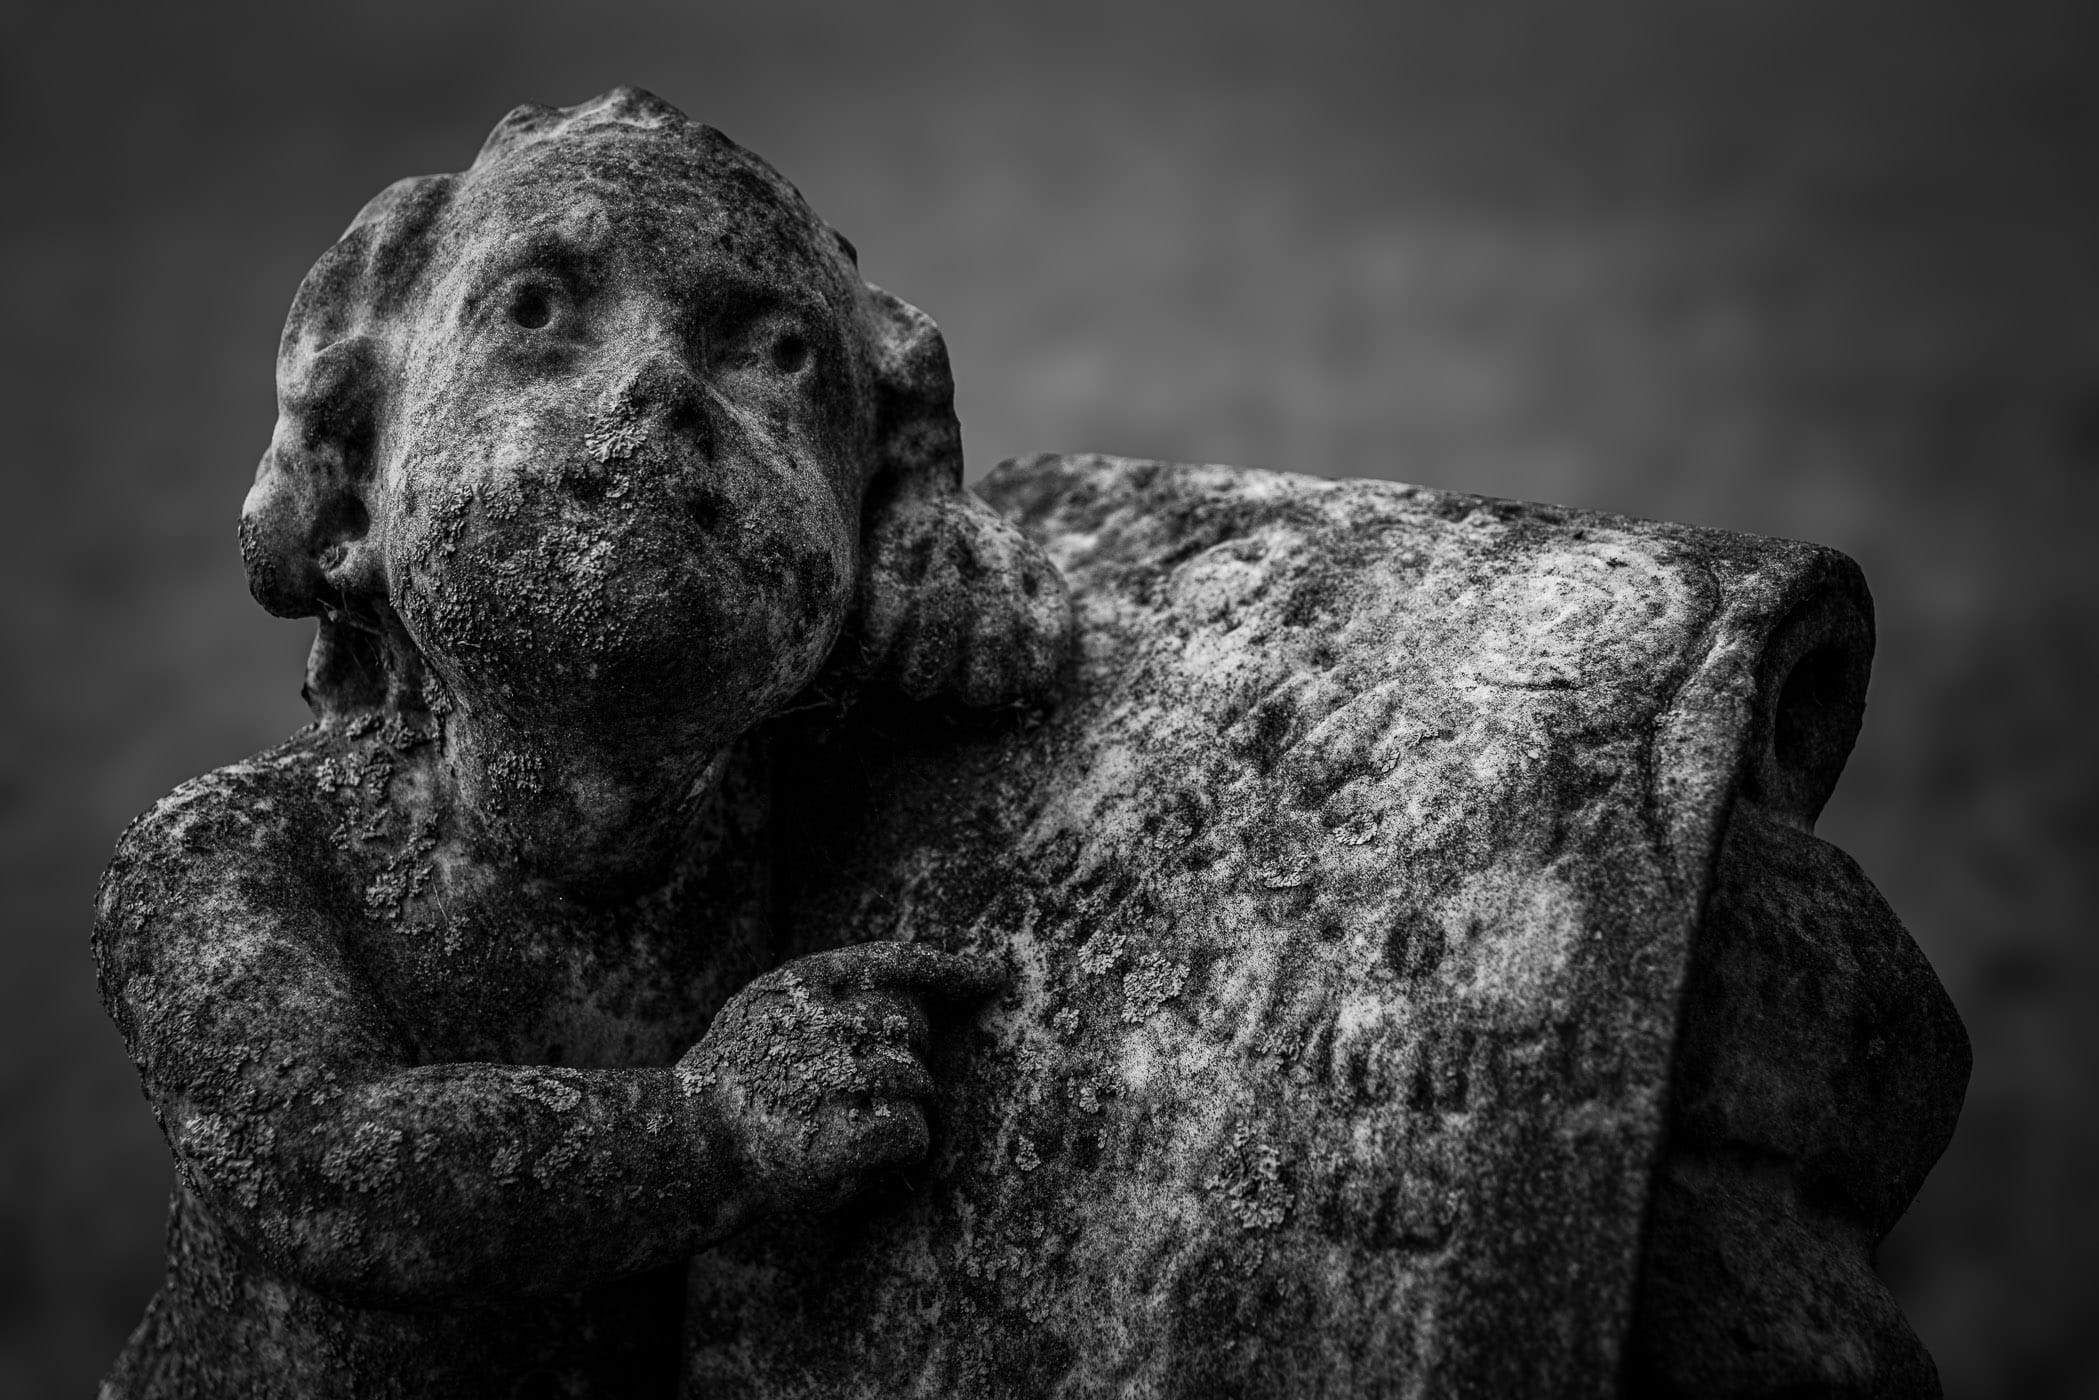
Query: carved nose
[[662, 391]]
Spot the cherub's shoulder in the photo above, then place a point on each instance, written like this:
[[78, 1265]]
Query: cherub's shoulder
[[251, 824], [230, 902]]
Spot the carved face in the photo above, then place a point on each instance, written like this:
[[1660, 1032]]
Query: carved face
[[625, 459], [610, 428]]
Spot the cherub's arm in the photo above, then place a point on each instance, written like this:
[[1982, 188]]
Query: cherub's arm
[[294, 1112]]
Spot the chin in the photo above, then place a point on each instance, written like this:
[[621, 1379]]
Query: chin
[[680, 671]]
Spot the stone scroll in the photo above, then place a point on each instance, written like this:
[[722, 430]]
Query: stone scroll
[[1348, 895]]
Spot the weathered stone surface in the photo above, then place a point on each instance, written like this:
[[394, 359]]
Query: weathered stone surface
[[1398, 898], [1352, 889], [589, 459], [1818, 1077]]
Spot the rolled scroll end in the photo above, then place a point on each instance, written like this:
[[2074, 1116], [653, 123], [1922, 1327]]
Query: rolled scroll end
[[1810, 702]]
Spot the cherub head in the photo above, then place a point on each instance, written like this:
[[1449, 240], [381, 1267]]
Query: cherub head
[[607, 434]]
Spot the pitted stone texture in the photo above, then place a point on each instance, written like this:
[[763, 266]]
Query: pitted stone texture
[[1350, 893], [589, 459]]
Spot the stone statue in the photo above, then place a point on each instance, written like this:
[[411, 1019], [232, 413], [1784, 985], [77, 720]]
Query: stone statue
[[588, 459], [754, 919]]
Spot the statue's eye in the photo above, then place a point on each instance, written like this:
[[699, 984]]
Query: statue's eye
[[790, 352], [532, 308]]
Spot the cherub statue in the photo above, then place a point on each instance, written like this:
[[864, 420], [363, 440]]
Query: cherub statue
[[455, 1008]]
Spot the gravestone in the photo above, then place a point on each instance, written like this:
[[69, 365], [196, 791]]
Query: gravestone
[[1354, 890]]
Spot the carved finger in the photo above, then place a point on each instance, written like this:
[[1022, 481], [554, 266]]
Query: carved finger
[[897, 1135], [912, 967], [891, 1073], [779, 989], [851, 1142], [891, 1018]]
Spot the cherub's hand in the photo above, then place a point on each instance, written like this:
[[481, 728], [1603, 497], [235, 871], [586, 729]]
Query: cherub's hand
[[814, 1071]]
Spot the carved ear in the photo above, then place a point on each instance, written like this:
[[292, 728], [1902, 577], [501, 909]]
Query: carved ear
[[954, 602], [305, 527]]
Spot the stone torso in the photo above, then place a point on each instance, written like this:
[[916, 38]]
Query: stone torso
[[461, 967], [478, 966]]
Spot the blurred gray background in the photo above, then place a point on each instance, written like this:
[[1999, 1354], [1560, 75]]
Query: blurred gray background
[[1823, 269]]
